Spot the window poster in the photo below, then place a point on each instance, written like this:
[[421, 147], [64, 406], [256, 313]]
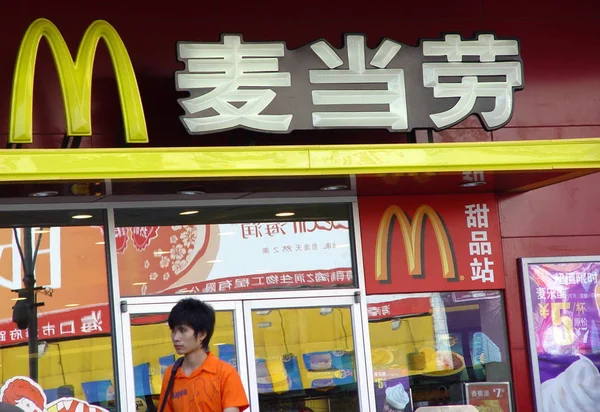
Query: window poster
[[562, 298]]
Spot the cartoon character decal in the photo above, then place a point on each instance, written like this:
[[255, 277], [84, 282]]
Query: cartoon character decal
[[30, 397]]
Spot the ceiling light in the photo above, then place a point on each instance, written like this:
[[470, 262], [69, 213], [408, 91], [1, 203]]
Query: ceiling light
[[341, 246], [262, 312], [80, 217], [471, 184], [214, 261], [264, 325], [71, 305], [334, 187], [226, 233], [285, 214], [15, 299], [44, 193], [139, 283], [325, 311], [160, 252], [190, 192], [188, 212], [396, 324], [100, 243], [40, 231]]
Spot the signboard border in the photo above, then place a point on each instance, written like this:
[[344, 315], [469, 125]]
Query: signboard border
[[528, 310], [508, 391]]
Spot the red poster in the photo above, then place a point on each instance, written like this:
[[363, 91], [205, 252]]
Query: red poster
[[489, 396], [431, 243]]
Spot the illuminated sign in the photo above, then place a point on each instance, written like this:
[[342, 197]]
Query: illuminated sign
[[269, 88], [75, 78]]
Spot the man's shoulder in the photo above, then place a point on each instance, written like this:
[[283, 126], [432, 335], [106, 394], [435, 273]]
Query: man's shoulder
[[225, 367]]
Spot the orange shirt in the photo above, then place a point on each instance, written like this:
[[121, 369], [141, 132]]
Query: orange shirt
[[212, 387]]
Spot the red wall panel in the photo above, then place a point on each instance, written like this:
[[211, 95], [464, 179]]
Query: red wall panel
[[560, 220]]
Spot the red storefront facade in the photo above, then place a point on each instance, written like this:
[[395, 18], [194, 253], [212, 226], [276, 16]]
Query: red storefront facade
[[544, 215]]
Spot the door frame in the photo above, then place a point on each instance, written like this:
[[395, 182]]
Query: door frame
[[243, 331], [165, 306]]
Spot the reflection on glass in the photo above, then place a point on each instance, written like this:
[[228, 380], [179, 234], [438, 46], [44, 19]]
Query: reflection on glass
[[240, 257], [425, 347], [153, 351], [54, 283], [305, 359]]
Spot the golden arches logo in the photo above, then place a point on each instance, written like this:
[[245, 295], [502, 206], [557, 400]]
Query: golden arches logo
[[413, 236], [75, 78]]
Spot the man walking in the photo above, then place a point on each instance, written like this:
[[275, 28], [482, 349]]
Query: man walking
[[198, 382]]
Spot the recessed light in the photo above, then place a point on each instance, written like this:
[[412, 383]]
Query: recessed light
[[188, 212], [325, 311], [262, 312], [285, 214], [44, 193], [100, 243], [139, 283], [334, 187], [214, 261], [80, 217], [71, 305], [190, 192], [471, 184]]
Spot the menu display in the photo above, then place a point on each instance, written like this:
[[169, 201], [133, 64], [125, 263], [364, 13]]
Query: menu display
[[489, 396], [563, 309]]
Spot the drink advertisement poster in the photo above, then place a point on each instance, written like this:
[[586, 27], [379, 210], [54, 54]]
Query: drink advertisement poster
[[562, 297]]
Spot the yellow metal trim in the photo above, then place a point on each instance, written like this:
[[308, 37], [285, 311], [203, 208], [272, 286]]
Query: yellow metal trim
[[143, 163]]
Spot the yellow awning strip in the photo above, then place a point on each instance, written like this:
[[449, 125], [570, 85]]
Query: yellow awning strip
[[247, 161]]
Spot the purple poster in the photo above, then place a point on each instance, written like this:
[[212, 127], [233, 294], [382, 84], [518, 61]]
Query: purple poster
[[563, 311]]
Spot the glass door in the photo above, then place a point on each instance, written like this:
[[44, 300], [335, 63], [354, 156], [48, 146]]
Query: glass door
[[149, 350], [303, 355]]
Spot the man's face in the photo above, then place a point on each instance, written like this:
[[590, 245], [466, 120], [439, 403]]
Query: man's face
[[184, 340]]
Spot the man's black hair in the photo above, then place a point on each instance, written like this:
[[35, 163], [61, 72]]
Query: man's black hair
[[197, 315]]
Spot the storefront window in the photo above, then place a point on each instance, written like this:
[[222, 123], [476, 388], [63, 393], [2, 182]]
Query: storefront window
[[426, 347], [305, 359], [235, 249], [56, 323]]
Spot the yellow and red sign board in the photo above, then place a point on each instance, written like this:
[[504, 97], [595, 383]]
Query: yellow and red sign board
[[431, 243]]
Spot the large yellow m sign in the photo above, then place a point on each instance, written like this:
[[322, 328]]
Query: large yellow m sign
[[413, 235], [75, 80]]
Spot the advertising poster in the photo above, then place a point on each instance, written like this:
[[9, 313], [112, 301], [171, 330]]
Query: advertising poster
[[489, 396], [225, 258], [563, 316]]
